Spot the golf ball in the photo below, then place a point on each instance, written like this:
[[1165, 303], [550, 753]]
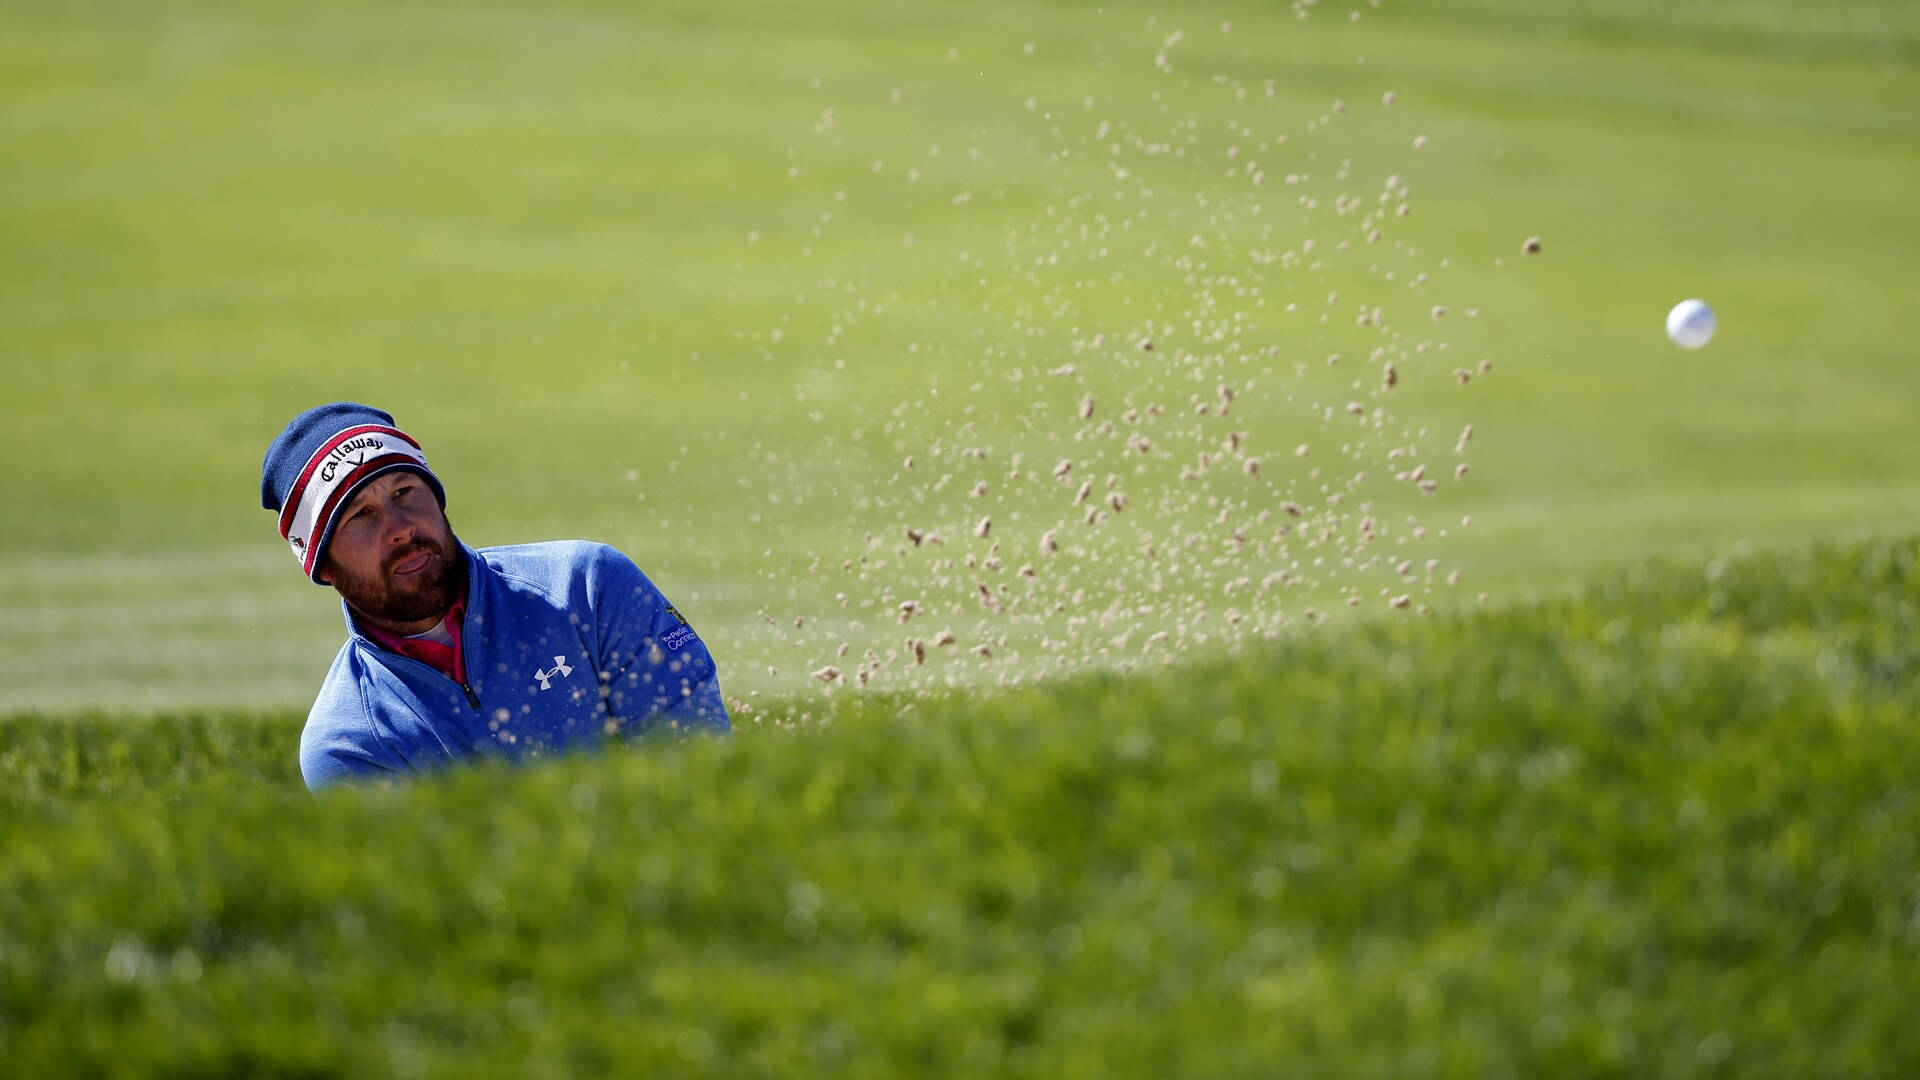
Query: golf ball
[[1690, 324]]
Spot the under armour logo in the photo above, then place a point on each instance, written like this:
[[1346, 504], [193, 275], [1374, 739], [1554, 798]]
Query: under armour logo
[[559, 668]]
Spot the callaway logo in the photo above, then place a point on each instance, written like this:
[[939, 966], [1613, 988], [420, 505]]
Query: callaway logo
[[559, 668], [338, 455]]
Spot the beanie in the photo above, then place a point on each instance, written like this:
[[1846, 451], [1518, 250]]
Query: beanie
[[326, 454]]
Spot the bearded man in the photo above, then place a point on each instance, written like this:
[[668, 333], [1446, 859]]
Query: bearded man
[[454, 652]]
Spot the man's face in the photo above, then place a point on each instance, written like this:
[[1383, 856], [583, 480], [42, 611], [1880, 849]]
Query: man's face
[[393, 557]]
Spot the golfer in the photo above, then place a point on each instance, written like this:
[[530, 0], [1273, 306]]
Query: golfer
[[454, 652]]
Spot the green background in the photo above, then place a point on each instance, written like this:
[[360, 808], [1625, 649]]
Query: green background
[[525, 231]]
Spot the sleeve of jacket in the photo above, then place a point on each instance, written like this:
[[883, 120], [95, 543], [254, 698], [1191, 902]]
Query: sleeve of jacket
[[657, 669], [342, 750], [339, 744]]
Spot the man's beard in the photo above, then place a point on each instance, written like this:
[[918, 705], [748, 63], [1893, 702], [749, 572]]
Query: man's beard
[[427, 594]]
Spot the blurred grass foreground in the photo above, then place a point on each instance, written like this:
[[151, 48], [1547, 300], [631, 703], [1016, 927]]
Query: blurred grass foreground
[[1667, 828]]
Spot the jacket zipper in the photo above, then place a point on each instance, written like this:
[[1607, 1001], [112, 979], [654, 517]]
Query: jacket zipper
[[460, 662]]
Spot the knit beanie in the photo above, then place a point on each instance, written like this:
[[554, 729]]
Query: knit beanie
[[325, 455]]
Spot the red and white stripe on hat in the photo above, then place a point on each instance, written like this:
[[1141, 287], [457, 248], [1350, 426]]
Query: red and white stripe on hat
[[333, 471]]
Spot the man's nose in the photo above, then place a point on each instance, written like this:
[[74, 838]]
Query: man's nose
[[400, 526]]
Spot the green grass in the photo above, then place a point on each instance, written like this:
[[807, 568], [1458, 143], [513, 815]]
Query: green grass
[[525, 232], [1662, 826], [1665, 827]]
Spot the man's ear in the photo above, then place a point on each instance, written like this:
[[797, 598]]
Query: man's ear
[[325, 578]]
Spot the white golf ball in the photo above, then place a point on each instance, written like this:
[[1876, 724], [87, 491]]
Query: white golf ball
[[1690, 324]]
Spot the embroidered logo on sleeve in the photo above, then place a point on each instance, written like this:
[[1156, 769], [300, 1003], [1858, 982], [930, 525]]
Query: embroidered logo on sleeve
[[560, 669], [677, 638]]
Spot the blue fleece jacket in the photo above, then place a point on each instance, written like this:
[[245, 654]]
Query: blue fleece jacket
[[565, 644]]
